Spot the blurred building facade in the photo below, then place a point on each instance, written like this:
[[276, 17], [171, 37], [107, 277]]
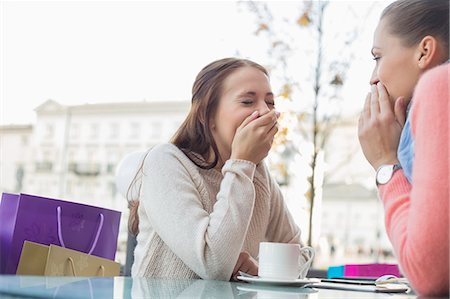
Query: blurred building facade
[[352, 216], [72, 152], [15, 156]]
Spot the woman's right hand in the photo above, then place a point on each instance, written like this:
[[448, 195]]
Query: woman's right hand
[[246, 264], [254, 137], [380, 127]]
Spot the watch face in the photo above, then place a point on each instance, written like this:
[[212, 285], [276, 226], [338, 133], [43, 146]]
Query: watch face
[[384, 174]]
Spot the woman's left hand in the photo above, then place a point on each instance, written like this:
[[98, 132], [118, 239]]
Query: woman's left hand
[[379, 127], [245, 263]]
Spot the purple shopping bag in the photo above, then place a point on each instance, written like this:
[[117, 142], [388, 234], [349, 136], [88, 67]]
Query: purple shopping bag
[[76, 226]]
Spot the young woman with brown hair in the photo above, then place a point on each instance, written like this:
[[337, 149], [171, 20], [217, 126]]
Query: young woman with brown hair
[[207, 199]]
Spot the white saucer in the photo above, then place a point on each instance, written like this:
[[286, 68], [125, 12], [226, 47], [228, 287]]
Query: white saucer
[[279, 282]]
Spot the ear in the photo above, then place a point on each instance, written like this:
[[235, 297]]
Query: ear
[[212, 124], [427, 52]]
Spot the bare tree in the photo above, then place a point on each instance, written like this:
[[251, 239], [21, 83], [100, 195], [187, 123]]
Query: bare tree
[[320, 90]]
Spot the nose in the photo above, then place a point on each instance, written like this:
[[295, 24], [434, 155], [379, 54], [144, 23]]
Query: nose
[[263, 108], [374, 78]]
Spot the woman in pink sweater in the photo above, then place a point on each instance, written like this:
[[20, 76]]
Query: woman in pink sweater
[[410, 40]]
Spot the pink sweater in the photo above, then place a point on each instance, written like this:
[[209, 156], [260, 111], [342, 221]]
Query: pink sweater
[[417, 217]]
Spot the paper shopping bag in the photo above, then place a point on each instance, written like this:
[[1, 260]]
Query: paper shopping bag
[[53, 260], [89, 229]]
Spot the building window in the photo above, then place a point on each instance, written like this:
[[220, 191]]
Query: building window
[[156, 129], [47, 155], [91, 154], [19, 177], [110, 168], [94, 130], [113, 130], [86, 169], [112, 188], [49, 131], [75, 131], [69, 187], [44, 166], [24, 140], [135, 130], [72, 155]]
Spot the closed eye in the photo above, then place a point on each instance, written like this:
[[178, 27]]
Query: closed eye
[[247, 102], [375, 53]]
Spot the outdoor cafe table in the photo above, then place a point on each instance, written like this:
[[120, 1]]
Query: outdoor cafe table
[[127, 287]]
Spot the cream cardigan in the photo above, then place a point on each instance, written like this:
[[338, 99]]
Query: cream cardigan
[[195, 222]]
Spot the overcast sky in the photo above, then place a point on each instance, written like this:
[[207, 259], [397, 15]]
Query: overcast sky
[[77, 52]]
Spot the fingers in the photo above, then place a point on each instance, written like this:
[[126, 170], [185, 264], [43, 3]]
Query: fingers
[[273, 130], [366, 111], [261, 120], [238, 263], [249, 118], [374, 104], [265, 123], [267, 119], [360, 122], [248, 268], [238, 266], [400, 111], [385, 105], [365, 114], [253, 268], [245, 263]]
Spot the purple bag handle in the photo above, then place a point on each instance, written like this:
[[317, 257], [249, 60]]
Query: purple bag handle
[[61, 241]]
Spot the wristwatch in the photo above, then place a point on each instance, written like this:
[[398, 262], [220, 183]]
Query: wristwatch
[[385, 173]]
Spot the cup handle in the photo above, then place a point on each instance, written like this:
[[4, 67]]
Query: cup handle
[[304, 265]]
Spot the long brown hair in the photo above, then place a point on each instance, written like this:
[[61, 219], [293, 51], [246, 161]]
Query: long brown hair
[[412, 20], [132, 196], [194, 136]]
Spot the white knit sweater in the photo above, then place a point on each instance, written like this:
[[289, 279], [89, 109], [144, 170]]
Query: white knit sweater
[[195, 222]]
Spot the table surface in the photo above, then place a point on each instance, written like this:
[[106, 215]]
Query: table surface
[[128, 287]]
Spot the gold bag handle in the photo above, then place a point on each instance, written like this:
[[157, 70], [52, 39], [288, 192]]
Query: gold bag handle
[[102, 268], [71, 262], [73, 266]]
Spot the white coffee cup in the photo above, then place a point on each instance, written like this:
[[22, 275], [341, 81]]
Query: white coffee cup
[[284, 261]]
